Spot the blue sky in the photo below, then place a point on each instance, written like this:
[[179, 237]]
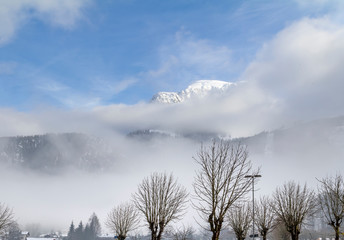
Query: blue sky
[[83, 54]]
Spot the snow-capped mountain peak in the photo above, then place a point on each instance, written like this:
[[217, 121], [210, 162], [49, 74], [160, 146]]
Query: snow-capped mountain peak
[[198, 89], [166, 97]]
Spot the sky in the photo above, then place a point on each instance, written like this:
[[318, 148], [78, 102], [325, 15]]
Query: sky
[[83, 54], [92, 67], [98, 63]]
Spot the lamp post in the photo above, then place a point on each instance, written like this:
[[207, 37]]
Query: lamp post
[[253, 177]]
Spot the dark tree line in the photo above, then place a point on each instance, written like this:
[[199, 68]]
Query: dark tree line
[[88, 232]]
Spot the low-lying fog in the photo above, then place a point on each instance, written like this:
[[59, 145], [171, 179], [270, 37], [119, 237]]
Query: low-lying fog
[[54, 200]]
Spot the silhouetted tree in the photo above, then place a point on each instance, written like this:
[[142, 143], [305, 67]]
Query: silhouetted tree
[[264, 216], [90, 232], [292, 205], [161, 200], [220, 182], [88, 235], [182, 233], [239, 219], [122, 219], [71, 232], [94, 226], [280, 231], [14, 232], [6, 217], [331, 196], [79, 232]]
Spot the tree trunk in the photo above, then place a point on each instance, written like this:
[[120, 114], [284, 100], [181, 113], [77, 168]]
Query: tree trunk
[[216, 235], [216, 230], [263, 233], [337, 233], [153, 236], [160, 233], [294, 236]]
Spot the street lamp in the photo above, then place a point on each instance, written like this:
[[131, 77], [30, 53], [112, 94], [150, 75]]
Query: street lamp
[[253, 177]]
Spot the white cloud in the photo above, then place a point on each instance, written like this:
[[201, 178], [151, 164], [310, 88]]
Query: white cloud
[[100, 90], [18, 124], [295, 76], [320, 3], [49, 85], [108, 88], [7, 67], [63, 13], [303, 68], [65, 95], [185, 59], [15, 13]]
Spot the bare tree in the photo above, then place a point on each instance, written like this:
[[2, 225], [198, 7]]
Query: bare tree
[[161, 200], [264, 216], [292, 205], [6, 217], [239, 219], [220, 181], [280, 232], [182, 233], [13, 232], [122, 219], [331, 196]]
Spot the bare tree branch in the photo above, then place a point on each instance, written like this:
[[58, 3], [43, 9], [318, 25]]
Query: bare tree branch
[[220, 181], [6, 217], [161, 200], [182, 233], [264, 216], [330, 197], [122, 219], [292, 205], [239, 219]]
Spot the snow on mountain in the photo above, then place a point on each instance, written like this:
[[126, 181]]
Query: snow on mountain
[[198, 89], [167, 97]]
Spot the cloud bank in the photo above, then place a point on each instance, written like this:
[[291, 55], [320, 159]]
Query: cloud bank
[[296, 76], [15, 13]]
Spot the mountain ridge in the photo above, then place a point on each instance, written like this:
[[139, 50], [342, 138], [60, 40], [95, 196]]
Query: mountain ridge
[[198, 89], [53, 153]]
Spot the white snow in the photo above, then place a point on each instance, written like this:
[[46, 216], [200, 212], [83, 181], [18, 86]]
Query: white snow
[[30, 238], [166, 97], [198, 89]]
